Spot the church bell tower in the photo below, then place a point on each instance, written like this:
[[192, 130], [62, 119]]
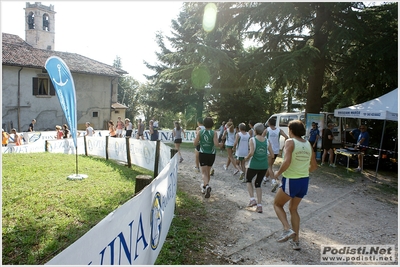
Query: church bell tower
[[40, 25]]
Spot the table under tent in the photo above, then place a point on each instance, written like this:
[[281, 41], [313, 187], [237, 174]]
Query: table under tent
[[383, 108]]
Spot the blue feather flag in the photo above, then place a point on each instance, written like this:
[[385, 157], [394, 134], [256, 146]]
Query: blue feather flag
[[61, 77]]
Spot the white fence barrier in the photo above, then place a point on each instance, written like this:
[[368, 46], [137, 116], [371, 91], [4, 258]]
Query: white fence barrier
[[134, 233]]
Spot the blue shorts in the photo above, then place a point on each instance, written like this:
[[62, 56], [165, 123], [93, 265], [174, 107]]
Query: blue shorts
[[295, 187]]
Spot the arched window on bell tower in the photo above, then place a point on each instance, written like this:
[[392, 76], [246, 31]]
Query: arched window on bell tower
[[31, 20], [46, 22]]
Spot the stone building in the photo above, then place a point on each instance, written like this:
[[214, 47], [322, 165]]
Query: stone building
[[27, 92]]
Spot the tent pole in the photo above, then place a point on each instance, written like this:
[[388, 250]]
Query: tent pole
[[380, 150]]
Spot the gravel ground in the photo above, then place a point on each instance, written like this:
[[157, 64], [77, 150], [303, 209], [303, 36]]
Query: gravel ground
[[333, 212]]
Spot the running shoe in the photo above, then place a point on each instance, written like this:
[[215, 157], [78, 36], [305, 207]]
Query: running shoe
[[208, 191], [275, 187], [265, 180], [295, 244], [358, 169], [332, 165], [322, 164], [286, 235], [235, 172], [225, 168], [203, 189], [180, 161], [241, 175], [212, 172], [197, 169], [252, 203], [259, 209]]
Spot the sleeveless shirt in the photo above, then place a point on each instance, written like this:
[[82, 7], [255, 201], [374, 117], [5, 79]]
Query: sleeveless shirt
[[301, 156], [207, 141], [259, 160]]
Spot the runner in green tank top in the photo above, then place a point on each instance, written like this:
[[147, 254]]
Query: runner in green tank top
[[207, 139], [260, 154]]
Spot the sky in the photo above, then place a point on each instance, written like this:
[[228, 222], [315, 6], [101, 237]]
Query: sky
[[103, 30]]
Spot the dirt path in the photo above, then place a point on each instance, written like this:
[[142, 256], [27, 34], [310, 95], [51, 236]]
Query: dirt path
[[331, 213]]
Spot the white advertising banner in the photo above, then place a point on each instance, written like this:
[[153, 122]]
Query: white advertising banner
[[65, 146], [35, 147], [134, 233], [96, 146]]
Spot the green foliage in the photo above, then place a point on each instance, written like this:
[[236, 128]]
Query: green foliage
[[43, 212], [324, 54]]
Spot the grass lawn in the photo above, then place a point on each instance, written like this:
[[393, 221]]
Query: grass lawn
[[43, 212]]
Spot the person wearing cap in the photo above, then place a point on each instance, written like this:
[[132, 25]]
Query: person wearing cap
[[128, 128], [89, 129], [5, 137]]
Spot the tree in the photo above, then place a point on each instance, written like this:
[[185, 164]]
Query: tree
[[304, 46]]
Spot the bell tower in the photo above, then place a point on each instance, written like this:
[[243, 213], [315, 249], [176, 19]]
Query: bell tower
[[40, 25]]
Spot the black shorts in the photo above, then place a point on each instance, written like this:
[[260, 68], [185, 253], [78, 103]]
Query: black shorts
[[206, 159], [178, 140]]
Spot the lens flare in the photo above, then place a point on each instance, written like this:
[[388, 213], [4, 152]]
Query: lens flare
[[200, 77], [210, 16]]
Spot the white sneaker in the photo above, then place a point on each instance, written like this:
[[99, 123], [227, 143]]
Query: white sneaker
[[273, 182], [332, 165], [203, 190], [225, 168], [208, 191], [265, 180]]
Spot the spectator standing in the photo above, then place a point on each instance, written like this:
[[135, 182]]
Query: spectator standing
[[155, 128], [153, 133], [59, 132], [89, 129], [298, 161], [314, 136], [65, 131], [207, 139], [140, 127], [32, 126], [120, 127], [128, 128], [111, 129], [5, 136], [177, 135], [362, 143], [259, 155], [327, 145], [17, 137]]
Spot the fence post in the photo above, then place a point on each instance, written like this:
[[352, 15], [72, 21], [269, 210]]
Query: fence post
[[128, 152], [157, 159], [46, 143], [107, 147], [141, 182], [84, 141]]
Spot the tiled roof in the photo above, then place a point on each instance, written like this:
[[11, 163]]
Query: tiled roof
[[16, 52], [118, 105]]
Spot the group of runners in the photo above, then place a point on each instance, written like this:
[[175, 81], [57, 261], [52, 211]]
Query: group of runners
[[258, 149]]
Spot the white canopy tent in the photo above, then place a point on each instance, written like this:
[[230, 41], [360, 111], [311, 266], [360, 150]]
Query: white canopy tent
[[381, 108]]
